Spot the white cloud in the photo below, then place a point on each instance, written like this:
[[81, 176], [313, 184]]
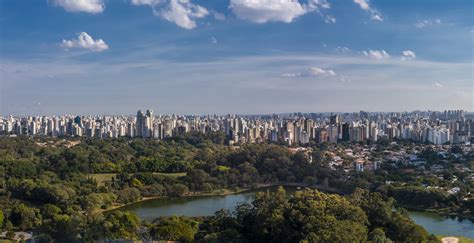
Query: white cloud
[[181, 12], [342, 49], [407, 55], [364, 4], [438, 85], [85, 41], [376, 54], [145, 2], [329, 19], [312, 72], [427, 22], [292, 75], [377, 17], [218, 16], [263, 11], [213, 40], [88, 6]]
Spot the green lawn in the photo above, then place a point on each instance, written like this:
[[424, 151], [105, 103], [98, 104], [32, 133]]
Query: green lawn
[[173, 175], [101, 178]]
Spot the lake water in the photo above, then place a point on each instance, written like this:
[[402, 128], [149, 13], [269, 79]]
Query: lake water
[[440, 225], [207, 205]]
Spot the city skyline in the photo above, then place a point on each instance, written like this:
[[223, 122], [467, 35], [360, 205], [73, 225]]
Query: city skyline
[[452, 126], [234, 57]]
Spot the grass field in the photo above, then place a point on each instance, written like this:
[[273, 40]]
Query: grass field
[[173, 175], [101, 178]]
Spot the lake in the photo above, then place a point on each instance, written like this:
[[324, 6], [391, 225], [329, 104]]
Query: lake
[[207, 205]]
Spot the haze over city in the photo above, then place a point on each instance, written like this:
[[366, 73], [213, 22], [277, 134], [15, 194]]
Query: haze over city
[[237, 56]]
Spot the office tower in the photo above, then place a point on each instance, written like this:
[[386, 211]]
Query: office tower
[[334, 119], [140, 124], [345, 132], [148, 124], [333, 133], [144, 124], [78, 120], [290, 132]]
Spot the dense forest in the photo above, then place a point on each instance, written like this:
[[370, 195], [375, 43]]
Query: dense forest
[[50, 186]]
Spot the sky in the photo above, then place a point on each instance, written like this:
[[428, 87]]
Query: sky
[[235, 56]]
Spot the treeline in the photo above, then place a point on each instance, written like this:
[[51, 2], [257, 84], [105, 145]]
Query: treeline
[[32, 168], [313, 216], [421, 198], [47, 186], [410, 191], [306, 216]]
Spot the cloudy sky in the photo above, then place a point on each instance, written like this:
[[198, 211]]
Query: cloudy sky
[[234, 56]]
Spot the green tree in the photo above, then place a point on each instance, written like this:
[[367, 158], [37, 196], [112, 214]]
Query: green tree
[[2, 217], [128, 195], [378, 236], [174, 228], [24, 217], [116, 225], [177, 190], [309, 215]]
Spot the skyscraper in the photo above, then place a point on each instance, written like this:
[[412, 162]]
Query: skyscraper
[[334, 119], [144, 124], [140, 124], [345, 132]]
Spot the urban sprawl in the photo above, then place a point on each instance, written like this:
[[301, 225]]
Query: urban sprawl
[[447, 127]]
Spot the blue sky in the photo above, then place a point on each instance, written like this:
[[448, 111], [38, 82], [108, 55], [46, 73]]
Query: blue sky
[[234, 56]]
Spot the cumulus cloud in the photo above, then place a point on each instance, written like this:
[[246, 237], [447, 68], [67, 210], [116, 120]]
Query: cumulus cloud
[[213, 40], [263, 11], [407, 55], [88, 6], [312, 72], [376, 54], [438, 85], [181, 12], [85, 41], [427, 22], [364, 4]]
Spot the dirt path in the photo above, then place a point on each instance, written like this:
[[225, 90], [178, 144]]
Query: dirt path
[[450, 240]]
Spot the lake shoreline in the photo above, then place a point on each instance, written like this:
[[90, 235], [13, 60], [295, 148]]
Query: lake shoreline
[[194, 206], [437, 211], [225, 192], [233, 191]]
